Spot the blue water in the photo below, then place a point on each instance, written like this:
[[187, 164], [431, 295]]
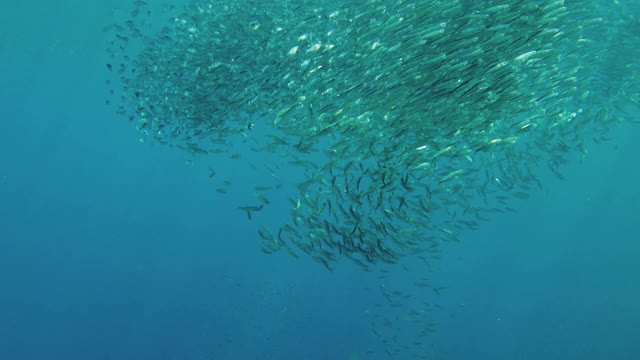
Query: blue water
[[113, 249]]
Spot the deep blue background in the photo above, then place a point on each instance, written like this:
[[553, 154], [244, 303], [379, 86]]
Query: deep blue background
[[113, 249]]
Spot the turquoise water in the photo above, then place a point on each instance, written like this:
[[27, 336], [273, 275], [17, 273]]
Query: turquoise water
[[113, 249]]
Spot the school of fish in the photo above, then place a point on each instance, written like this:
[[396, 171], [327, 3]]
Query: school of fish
[[410, 121]]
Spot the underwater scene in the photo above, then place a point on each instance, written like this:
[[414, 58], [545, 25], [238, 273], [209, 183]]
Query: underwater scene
[[348, 180]]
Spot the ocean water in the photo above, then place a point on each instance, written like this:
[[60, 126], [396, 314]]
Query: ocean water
[[115, 249]]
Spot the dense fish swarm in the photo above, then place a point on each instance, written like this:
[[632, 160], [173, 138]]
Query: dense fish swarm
[[411, 120]]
